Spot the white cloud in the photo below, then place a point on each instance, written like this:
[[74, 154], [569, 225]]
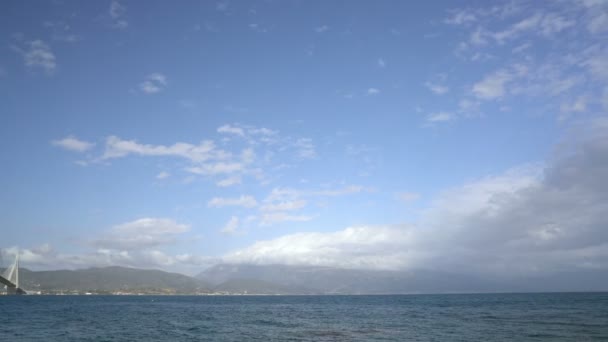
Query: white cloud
[[521, 48], [283, 194], [230, 181], [597, 64], [154, 83], [346, 190], [119, 148], [242, 201], [72, 143], [61, 32], [437, 88], [216, 168], [468, 107], [353, 247], [258, 158], [439, 117], [306, 149], [529, 220], [38, 54], [381, 63], [491, 26], [163, 175], [578, 106], [478, 37], [261, 131], [272, 218], [546, 24], [228, 129], [373, 91], [141, 233], [117, 14], [45, 257], [321, 29], [460, 17], [253, 135], [231, 227], [407, 197], [280, 201], [526, 220], [222, 6], [284, 206], [492, 86], [289, 194], [553, 23], [248, 156], [599, 22]]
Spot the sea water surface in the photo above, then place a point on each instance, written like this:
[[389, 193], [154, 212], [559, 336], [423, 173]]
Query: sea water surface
[[464, 317]]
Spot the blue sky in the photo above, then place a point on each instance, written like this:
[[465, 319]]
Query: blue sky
[[176, 135]]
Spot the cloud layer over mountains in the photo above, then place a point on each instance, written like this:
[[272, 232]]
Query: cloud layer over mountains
[[536, 219]]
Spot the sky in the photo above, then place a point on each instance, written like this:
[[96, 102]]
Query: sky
[[469, 136]]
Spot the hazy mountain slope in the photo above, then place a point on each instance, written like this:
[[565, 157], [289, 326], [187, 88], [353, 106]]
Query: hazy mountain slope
[[347, 281], [256, 286], [307, 279], [109, 279]]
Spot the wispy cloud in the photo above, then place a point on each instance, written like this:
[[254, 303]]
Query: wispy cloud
[[493, 85], [407, 197], [253, 135], [272, 218], [436, 88], [305, 147], [284, 206], [439, 117], [153, 83], [460, 17], [163, 175], [245, 201], [321, 29], [117, 15], [222, 6], [72, 143], [545, 24], [62, 32], [225, 166], [231, 226], [118, 148], [598, 23], [230, 181], [141, 233], [38, 55], [229, 129], [217, 168], [373, 91], [526, 219], [346, 190]]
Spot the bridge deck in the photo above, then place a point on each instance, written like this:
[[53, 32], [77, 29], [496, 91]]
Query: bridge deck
[[6, 282]]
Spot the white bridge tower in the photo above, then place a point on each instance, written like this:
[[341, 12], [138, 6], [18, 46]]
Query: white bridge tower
[[10, 278]]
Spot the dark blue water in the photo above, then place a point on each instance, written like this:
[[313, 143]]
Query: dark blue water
[[485, 317]]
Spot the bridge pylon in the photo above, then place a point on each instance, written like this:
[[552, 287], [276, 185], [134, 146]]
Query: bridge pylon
[[10, 278]]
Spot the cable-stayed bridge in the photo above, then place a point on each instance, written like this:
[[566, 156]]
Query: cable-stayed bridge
[[10, 278]]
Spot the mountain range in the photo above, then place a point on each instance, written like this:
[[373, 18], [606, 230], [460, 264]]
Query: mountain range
[[294, 280]]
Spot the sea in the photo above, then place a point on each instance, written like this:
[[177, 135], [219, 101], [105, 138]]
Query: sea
[[449, 317]]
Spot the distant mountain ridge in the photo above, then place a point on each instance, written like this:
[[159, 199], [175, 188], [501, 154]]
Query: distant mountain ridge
[[111, 279], [327, 280], [294, 280]]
